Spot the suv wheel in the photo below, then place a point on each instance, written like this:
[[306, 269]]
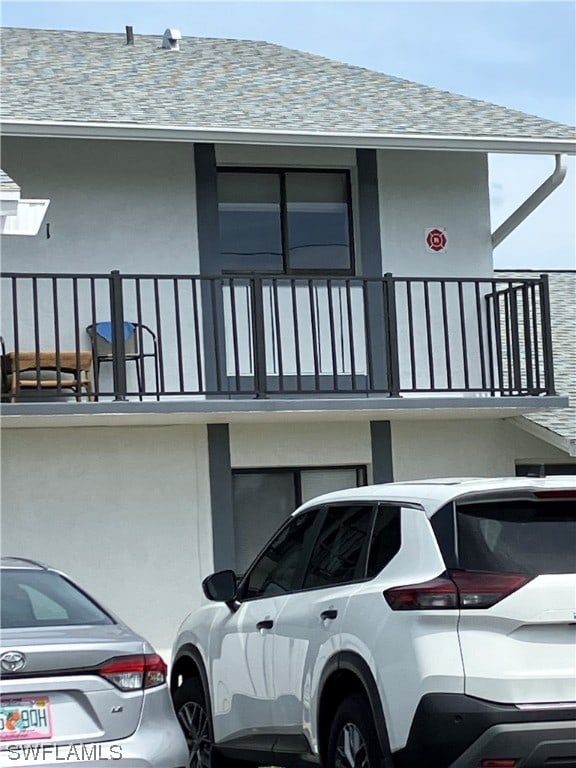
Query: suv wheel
[[194, 718], [191, 710], [353, 741]]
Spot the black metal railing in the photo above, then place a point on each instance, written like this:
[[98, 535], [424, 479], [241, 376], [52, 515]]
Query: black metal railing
[[157, 336]]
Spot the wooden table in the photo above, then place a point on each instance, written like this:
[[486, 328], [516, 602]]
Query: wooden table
[[65, 370]]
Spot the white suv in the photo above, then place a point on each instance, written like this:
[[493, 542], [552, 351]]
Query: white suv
[[426, 624]]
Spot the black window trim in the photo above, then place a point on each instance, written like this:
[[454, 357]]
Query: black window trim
[[360, 469], [281, 171], [444, 525], [395, 505]]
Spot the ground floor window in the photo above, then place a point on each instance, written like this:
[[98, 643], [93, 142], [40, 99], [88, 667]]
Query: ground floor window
[[543, 469], [263, 499]]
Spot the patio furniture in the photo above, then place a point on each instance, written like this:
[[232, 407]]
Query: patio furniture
[[49, 370], [139, 343]]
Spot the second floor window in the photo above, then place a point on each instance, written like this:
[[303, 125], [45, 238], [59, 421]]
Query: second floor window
[[288, 222]]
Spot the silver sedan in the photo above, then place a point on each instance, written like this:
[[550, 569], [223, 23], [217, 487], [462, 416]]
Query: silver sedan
[[77, 685]]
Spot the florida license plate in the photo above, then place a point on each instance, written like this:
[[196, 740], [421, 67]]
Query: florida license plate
[[25, 718]]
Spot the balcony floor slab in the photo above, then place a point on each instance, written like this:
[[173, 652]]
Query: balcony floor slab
[[205, 411]]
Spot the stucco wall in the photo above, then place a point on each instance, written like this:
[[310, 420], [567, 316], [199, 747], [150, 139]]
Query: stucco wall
[[464, 448], [131, 205], [299, 445], [420, 448], [127, 205], [420, 190], [126, 512]]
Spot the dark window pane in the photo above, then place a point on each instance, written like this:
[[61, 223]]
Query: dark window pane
[[542, 470], [385, 541], [337, 554], [517, 536], [41, 598], [318, 231], [263, 501], [278, 568], [249, 220]]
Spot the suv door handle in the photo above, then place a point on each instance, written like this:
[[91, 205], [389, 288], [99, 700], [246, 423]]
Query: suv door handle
[[265, 624], [331, 613]]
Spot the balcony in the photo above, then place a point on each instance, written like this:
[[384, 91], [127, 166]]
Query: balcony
[[186, 337]]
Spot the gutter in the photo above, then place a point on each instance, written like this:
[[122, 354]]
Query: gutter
[[530, 205], [133, 132]]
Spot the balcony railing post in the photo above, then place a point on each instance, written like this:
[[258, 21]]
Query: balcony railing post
[[258, 331], [118, 347], [546, 321], [392, 336]]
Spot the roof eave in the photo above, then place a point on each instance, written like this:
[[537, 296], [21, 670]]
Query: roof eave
[[547, 434], [127, 131]]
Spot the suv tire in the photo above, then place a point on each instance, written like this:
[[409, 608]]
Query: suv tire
[[192, 713], [194, 718], [353, 740]]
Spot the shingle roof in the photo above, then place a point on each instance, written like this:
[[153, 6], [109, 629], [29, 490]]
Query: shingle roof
[[225, 84], [562, 287]]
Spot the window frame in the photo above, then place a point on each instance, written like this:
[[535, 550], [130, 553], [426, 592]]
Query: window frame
[[360, 469], [281, 172]]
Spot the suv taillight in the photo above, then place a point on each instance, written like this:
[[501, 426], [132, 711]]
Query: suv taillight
[[132, 673], [455, 589]]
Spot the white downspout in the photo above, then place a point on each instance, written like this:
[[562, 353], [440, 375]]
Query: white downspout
[[532, 202]]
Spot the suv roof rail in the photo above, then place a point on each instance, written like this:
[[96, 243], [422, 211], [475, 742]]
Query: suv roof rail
[[25, 560]]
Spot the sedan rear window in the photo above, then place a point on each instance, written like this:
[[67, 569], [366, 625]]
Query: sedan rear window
[[32, 598], [532, 537]]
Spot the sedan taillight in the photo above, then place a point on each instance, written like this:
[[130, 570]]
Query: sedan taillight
[[133, 673], [455, 589]]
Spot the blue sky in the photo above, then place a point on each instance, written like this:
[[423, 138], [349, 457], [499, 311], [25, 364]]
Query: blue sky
[[519, 54]]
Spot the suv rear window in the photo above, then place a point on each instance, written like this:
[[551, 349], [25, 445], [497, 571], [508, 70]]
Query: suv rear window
[[531, 537], [33, 598]]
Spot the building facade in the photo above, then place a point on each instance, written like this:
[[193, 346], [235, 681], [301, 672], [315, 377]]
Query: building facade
[[247, 291]]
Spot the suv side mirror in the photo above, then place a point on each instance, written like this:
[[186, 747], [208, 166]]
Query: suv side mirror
[[220, 586]]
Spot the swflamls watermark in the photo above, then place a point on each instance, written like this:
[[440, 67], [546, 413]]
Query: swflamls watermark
[[59, 753]]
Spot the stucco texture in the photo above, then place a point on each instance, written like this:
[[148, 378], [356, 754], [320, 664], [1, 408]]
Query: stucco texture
[[125, 512]]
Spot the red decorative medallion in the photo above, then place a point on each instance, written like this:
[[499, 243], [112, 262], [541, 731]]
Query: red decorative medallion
[[436, 240]]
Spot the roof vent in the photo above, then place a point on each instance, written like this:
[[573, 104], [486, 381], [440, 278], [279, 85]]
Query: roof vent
[[170, 39]]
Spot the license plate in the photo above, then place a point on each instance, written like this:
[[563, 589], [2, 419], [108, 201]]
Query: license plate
[[22, 719]]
